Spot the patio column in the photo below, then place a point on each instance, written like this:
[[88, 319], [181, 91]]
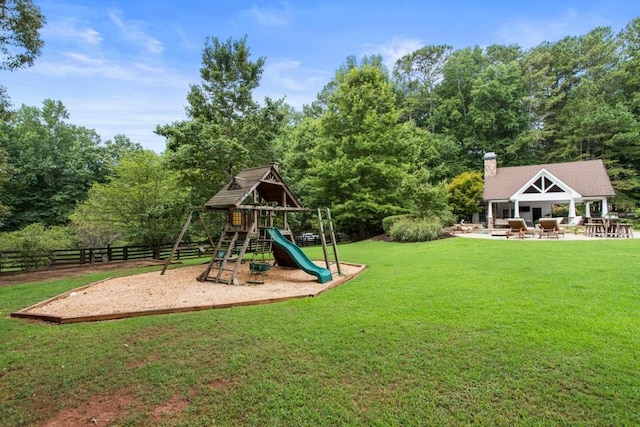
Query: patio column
[[605, 207], [516, 208], [572, 208], [490, 214], [587, 210]]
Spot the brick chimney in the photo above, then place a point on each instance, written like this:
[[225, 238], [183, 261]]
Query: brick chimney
[[490, 165]]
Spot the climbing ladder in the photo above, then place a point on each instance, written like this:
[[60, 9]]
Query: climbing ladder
[[228, 255], [326, 223]]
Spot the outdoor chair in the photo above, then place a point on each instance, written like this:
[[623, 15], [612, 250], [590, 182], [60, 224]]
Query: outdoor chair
[[549, 226], [518, 225]]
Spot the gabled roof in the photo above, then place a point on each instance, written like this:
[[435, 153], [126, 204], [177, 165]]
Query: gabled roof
[[589, 178], [265, 180]]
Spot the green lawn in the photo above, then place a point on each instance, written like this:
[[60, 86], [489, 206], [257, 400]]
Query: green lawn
[[452, 332]]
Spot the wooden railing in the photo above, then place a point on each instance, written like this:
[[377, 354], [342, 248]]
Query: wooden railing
[[16, 261], [13, 261]]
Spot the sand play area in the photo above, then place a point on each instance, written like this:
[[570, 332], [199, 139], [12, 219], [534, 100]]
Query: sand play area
[[179, 291]]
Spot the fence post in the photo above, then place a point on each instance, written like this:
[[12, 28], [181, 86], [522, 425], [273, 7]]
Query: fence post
[[109, 253], [82, 256], [125, 253]]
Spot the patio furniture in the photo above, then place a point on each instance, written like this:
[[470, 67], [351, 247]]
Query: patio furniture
[[612, 226], [518, 225], [625, 230], [550, 227], [595, 228], [500, 223]]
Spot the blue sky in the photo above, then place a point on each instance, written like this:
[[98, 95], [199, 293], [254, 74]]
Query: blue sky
[[124, 67]]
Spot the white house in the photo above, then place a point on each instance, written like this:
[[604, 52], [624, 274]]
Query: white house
[[529, 192]]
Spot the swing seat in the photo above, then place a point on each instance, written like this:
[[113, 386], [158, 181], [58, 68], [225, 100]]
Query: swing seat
[[259, 267]]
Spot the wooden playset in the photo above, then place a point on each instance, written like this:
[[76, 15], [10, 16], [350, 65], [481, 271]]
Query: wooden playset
[[257, 202]]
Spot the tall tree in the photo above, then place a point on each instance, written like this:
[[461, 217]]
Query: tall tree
[[142, 201], [497, 108], [53, 165], [417, 75], [320, 105], [363, 159], [295, 147], [629, 76], [20, 42], [452, 115], [5, 175], [226, 129]]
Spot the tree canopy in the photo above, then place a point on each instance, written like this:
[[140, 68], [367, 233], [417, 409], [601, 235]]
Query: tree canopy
[[52, 164], [226, 129], [360, 160], [142, 200], [372, 143], [20, 42]]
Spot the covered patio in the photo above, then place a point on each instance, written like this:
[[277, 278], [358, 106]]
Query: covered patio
[[530, 192]]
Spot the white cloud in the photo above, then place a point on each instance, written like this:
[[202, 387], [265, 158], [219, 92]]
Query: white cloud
[[72, 64], [271, 17], [133, 32], [66, 29], [529, 33], [80, 65], [131, 111], [289, 79], [280, 73], [394, 49]]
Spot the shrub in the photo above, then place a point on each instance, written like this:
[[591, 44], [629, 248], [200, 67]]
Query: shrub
[[465, 194], [416, 230], [35, 242], [388, 222]]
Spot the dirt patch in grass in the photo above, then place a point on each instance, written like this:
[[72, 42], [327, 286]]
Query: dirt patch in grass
[[105, 409], [102, 410], [169, 409]]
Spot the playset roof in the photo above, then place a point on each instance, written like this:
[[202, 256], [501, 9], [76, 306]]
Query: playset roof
[[266, 181]]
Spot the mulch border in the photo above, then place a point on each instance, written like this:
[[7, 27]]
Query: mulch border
[[26, 314]]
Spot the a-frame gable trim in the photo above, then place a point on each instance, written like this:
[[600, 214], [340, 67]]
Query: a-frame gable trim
[[545, 176]]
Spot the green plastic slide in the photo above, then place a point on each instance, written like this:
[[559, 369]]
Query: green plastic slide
[[323, 274]]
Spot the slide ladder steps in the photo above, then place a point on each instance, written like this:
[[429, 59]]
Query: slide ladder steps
[[219, 269], [324, 217]]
